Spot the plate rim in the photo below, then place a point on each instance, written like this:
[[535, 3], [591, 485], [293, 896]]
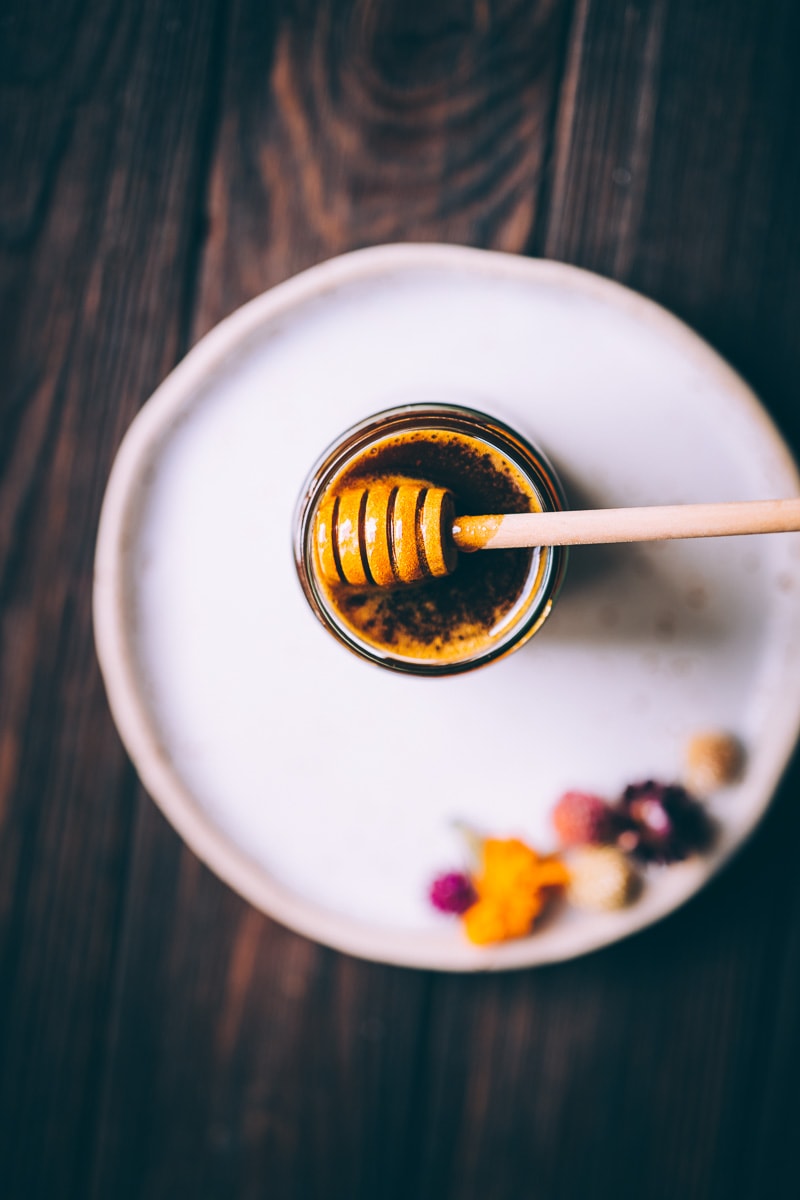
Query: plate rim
[[148, 754]]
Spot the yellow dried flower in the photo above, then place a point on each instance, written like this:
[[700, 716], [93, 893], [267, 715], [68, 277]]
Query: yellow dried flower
[[511, 889]]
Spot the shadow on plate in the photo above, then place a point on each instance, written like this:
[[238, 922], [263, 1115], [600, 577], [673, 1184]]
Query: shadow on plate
[[631, 594]]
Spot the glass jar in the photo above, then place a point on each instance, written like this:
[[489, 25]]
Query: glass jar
[[495, 600]]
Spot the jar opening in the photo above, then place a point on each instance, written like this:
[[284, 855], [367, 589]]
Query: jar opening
[[494, 600]]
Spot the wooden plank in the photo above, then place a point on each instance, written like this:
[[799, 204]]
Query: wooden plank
[[246, 1056], [377, 123], [677, 171], [280, 1064], [105, 119], [644, 1062]]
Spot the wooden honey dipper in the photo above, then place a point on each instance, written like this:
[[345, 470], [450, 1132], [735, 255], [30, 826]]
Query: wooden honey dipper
[[388, 532]]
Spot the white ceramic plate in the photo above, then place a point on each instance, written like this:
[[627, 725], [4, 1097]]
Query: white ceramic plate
[[295, 770]]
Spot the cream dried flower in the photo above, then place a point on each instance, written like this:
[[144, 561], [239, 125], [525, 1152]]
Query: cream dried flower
[[601, 877], [713, 760]]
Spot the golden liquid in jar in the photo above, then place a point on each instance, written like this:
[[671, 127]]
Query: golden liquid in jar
[[452, 618]]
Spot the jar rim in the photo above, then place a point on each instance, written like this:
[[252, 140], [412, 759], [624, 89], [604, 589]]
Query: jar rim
[[534, 603]]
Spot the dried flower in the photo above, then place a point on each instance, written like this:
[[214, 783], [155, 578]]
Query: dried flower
[[661, 823], [713, 760], [601, 877], [580, 819], [512, 888], [452, 893]]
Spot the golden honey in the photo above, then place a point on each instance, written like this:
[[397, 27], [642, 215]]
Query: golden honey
[[493, 600]]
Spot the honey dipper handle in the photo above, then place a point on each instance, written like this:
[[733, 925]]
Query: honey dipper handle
[[586, 527]]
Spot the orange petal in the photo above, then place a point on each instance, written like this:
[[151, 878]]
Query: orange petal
[[506, 863], [552, 873], [484, 923], [520, 911]]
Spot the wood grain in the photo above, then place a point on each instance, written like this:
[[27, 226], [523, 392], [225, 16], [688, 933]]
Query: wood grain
[[245, 1053], [677, 171], [372, 122], [162, 163], [101, 149]]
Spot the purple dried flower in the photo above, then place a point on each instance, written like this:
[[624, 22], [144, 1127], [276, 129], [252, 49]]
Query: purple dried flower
[[661, 823], [452, 893]]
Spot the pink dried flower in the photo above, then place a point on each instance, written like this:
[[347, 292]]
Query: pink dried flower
[[581, 819], [452, 893]]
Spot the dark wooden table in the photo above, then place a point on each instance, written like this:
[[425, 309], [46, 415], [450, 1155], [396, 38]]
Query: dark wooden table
[[160, 163]]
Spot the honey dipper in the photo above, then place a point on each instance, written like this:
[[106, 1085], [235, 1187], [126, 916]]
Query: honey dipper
[[388, 532]]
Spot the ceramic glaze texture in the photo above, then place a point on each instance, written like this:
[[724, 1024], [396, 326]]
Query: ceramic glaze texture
[[296, 769]]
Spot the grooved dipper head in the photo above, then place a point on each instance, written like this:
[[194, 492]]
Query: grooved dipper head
[[386, 533]]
